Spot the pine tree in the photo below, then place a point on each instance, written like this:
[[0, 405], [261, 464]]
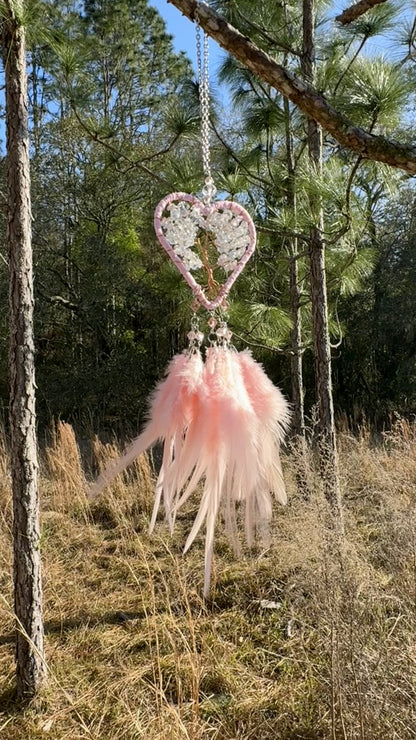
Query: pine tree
[[30, 665]]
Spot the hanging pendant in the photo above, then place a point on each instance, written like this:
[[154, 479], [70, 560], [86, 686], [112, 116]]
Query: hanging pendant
[[221, 421]]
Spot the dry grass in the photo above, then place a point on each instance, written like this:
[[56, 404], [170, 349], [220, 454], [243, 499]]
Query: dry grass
[[133, 652]]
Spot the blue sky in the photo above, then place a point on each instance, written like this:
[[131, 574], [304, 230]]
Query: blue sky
[[179, 27], [183, 32]]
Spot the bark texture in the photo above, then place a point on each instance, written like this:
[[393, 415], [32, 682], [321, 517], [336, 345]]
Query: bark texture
[[296, 374], [322, 348], [303, 94], [24, 464], [296, 370], [353, 12]]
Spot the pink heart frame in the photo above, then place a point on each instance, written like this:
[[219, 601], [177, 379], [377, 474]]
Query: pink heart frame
[[205, 210]]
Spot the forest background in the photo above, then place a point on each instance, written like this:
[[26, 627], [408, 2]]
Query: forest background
[[115, 126], [310, 635]]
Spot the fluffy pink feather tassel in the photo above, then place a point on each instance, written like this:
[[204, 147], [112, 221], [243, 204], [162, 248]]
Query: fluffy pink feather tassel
[[221, 449], [222, 424], [273, 416], [234, 447]]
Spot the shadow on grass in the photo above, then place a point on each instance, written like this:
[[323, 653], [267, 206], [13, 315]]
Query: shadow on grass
[[9, 702], [54, 627]]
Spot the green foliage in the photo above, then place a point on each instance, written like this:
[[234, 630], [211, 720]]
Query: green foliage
[[378, 371], [356, 269], [264, 323], [114, 115], [376, 91]]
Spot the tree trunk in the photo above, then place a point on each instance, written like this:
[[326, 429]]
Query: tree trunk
[[298, 441], [296, 371], [27, 567], [322, 348], [298, 420]]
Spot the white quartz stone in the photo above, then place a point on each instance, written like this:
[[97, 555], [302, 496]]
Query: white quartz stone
[[230, 234]]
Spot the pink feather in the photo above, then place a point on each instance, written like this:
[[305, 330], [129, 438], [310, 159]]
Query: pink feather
[[222, 424], [225, 446], [273, 415]]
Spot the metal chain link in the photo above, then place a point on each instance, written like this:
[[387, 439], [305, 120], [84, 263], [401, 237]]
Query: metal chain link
[[204, 100]]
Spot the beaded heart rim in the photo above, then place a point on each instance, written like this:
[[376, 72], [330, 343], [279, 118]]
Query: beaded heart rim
[[234, 238]]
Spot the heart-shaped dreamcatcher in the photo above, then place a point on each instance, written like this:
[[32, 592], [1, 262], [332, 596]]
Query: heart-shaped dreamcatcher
[[221, 419], [192, 231]]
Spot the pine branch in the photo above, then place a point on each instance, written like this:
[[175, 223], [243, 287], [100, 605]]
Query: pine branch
[[312, 103], [289, 233], [265, 36], [134, 163], [244, 339], [250, 175], [355, 11]]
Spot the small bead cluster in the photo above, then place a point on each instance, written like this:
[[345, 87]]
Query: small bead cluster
[[230, 232], [219, 333], [223, 333], [195, 335]]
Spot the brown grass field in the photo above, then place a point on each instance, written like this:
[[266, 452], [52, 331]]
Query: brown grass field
[[300, 640]]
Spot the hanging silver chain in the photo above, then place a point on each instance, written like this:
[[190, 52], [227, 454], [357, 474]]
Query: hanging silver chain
[[203, 83]]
